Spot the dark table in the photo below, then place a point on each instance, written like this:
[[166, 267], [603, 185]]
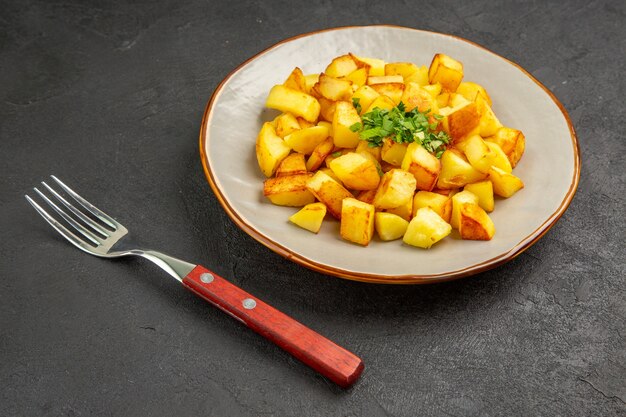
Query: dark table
[[109, 96]]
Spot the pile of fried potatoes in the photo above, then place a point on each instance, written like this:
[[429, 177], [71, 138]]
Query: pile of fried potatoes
[[315, 161]]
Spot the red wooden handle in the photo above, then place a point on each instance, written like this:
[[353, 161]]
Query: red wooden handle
[[327, 358]]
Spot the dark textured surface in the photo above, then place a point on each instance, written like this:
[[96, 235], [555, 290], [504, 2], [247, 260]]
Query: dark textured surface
[[109, 96]]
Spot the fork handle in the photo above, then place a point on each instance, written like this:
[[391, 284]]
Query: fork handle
[[327, 358]]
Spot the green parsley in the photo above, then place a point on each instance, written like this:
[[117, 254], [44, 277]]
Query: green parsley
[[402, 127], [356, 104]]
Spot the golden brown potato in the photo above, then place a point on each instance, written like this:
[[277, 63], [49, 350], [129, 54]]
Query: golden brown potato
[[305, 140], [296, 81], [270, 149], [426, 229], [292, 165], [358, 77], [327, 109], [484, 191], [344, 117], [424, 166], [504, 184], [396, 188], [328, 191], [320, 153], [310, 80], [446, 71], [357, 221], [415, 96], [288, 190], [293, 101], [285, 124], [381, 102], [456, 171], [310, 217], [390, 79], [457, 202], [366, 196], [511, 141], [471, 91], [389, 226], [365, 95], [475, 224], [376, 66], [461, 120], [333, 88], [341, 66], [440, 204], [404, 69], [489, 123], [483, 156], [420, 77], [392, 90], [363, 146], [356, 171], [405, 211], [393, 152]]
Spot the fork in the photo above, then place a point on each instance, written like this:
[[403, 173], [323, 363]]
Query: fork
[[101, 235]]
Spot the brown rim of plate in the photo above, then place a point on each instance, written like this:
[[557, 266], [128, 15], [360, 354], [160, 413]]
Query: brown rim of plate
[[379, 278]]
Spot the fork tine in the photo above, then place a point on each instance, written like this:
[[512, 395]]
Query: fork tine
[[105, 218], [71, 237], [79, 227], [95, 226]]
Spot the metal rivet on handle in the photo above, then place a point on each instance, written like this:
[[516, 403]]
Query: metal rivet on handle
[[206, 278], [249, 303]]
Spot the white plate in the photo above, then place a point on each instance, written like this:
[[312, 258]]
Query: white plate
[[550, 167]]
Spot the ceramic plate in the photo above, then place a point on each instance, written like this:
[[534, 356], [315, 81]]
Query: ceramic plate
[[550, 167]]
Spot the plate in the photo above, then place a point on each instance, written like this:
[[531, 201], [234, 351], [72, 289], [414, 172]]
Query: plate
[[550, 167]]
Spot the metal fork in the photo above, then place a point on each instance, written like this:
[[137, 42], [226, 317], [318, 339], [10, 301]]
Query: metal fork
[[101, 235]]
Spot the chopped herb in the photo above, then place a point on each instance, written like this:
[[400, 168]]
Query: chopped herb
[[402, 126], [356, 104], [336, 154]]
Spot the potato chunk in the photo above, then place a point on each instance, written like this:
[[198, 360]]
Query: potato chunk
[[341, 66], [461, 120], [426, 229], [396, 188], [296, 81], [393, 152], [376, 66], [511, 141], [357, 221], [475, 224], [310, 217], [356, 171], [289, 190], [392, 90], [381, 102], [446, 71], [489, 123], [424, 166], [293, 101], [327, 109], [389, 79], [471, 91], [328, 191], [440, 204], [504, 184], [366, 96], [405, 211], [292, 165], [358, 77], [389, 226], [482, 155], [415, 96], [456, 171], [344, 117], [484, 191], [320, 153], [270, 149], [420, 77], [333, 88], [305, 140], [285, 124], [457, 201]]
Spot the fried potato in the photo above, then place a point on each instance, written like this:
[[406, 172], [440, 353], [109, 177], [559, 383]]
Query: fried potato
[[327, 109], [321, 151], [484, 191], [310, 217], [341, 66], [356, 171], [305, 140], [333, 88], [456, 171], [512, 142], [389, 226], [471, 91], [404, 69], [358, 77], [357, 221], [393, 152], [344, 117], [285, 124], [426, 229], [381, 102], [504, 184], [440, 204], [389, 79], [424, 166], [482, 155], [474, 223], [288, 190], [328, 191], [293, 164], [376, 66], [420, 77], [366, 196], [393, 90], [365, 95], [293, 101], [457, 202], [405, 211], [296, 81], [415, 96], [270, 149], [446, 71], [396, 188]]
